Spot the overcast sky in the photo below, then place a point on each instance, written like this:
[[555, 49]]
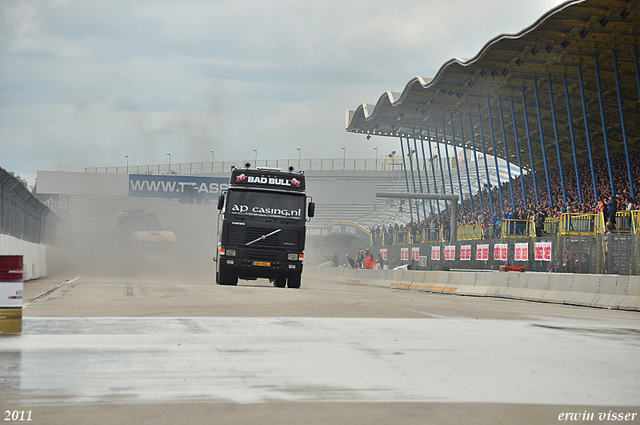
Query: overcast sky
[[84, 83]]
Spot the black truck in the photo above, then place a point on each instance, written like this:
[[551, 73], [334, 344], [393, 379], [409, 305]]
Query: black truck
[[261, 227]]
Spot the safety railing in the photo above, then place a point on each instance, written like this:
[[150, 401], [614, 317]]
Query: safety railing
[[579, 224], [551, 225], [624, 221], [321, 164], [567, 225], [470, 232], [515, 229]]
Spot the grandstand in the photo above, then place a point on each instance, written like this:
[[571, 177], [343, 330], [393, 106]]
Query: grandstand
[[558, 99]]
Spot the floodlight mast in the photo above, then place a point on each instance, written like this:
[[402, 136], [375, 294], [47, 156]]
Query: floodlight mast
[[453, 220]]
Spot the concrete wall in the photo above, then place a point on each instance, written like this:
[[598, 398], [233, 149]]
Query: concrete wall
[[604, 291], [34, 257]]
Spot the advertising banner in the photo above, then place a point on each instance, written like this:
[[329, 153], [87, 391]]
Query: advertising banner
[[415, 253], [465, 252], [450, 252], [500, 251], [435, 253], [482, 252], [542, 251], [174, 186], [404, 254], [522, 252], [11, 281], [383, 253]]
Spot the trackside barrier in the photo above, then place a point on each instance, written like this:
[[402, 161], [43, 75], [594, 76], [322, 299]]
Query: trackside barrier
[[602, 291], [517, 284], [612, 291], [496, 284], [537, 287], [438, 281], [468, 285], [559, 288], [584, 290], [632, 300], [11, 288]]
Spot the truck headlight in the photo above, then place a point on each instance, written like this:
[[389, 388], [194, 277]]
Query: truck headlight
[[292, 256], [231, 252]]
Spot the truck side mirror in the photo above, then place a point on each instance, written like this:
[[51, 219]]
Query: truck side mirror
[[220, 202], [312, 209]]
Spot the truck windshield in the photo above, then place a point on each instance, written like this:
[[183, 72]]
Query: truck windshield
[[263, 204]]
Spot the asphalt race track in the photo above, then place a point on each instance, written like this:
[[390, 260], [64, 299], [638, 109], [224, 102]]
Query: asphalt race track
[[123, 351]]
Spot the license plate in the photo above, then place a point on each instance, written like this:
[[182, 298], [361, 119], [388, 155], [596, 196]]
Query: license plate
[[262, 263]]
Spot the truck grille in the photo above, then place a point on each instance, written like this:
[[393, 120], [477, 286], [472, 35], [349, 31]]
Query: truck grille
[[241, 235]]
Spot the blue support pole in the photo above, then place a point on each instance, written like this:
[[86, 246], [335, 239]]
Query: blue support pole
[[406, 176], [526, 126], [426, 175], [444, 137], [515, 134], [413, 177], [466, 162], [544, 153], [415, 149], [586, 131], [604, 125], [555, 132], [484, 154], [495, 154], [506, 152], [453, 141], [573, 140], [635, 64], [622, 123], [444, 189], [433, 168], [475, 157]]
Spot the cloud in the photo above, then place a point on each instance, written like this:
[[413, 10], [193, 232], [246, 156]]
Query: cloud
[[84, 83]]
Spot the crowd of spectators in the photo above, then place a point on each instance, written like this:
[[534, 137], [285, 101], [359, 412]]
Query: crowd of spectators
[[534, 207]]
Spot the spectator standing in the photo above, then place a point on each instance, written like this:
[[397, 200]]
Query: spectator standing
[[369, 261], [612, 208]]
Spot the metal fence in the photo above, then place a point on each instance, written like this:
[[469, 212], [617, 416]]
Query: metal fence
[[613, 253], [626, 223], [23, 216], [383, 163]]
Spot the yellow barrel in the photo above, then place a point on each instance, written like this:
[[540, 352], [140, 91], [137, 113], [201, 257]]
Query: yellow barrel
[[10, 320]]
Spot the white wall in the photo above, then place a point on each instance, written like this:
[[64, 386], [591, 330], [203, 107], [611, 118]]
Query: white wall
[[34, 257]]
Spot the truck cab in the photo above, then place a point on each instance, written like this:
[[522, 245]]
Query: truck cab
[[261, 227]]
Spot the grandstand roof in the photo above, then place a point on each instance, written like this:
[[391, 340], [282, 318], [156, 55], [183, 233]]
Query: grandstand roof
[[574, 37]]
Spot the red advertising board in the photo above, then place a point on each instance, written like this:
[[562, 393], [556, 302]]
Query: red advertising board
[[435, 253], [482, 252], [542, 251], [500, 251], [11, 285], [415, 253], [404, 254], [522, 252], [465, 252], [450, 253]]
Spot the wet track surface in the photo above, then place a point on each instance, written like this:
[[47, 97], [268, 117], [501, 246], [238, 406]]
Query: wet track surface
[[250, 360], [88, 343]]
